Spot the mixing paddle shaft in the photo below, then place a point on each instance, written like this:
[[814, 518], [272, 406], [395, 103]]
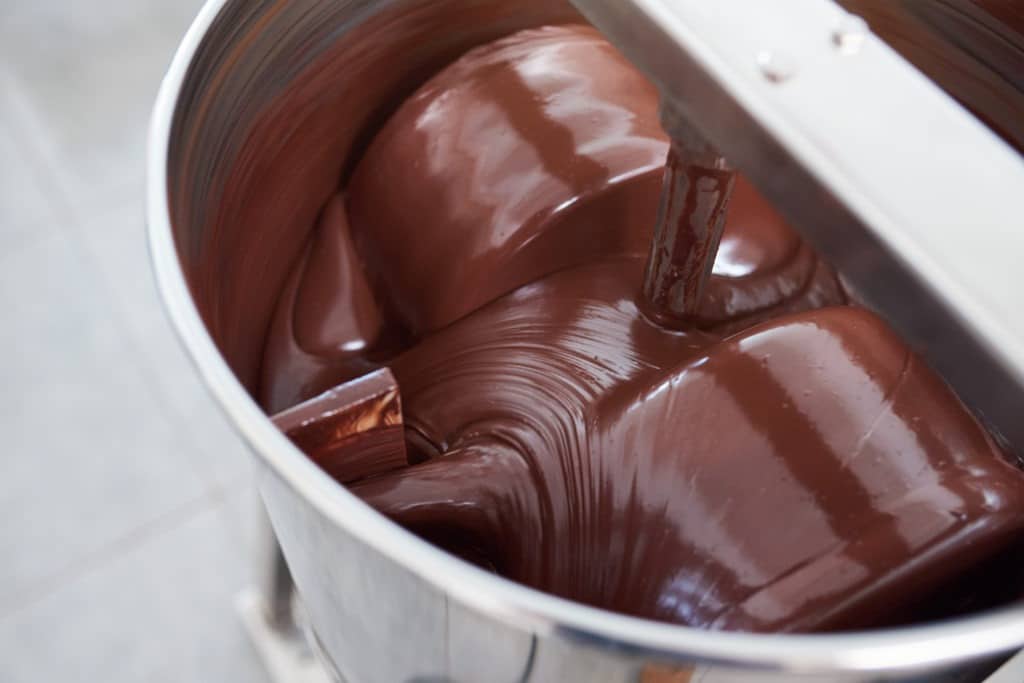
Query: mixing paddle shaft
[[691, 216]]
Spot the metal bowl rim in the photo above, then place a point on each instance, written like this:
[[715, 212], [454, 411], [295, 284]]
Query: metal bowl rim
[[899, 649]]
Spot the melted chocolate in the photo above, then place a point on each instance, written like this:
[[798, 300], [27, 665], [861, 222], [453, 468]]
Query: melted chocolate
[[974, 49], [529, 155], [443, 229], [326, 320], [353, 431], [790, 465], [287, 125], [808, 474]]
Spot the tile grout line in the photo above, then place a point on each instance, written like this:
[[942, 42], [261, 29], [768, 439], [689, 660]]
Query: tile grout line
[[25, 137], [48, 172], [43, 165], [51, 167], [42, 160], [48, 169], [39, 145], [150, 531], [155, 382]]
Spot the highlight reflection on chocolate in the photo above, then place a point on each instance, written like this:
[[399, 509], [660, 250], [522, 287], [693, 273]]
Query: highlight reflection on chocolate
[[353, 431], [528, 155], [532, 154], [790, 465], [809, 473]]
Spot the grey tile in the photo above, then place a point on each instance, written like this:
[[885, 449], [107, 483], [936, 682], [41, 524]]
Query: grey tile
[[90, 454], [85, 92], [27, 210], [247, 518], [89, 74], [162, 612], [116, 243]]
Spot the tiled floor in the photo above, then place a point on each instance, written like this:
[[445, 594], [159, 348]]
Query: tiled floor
[[126, 509]]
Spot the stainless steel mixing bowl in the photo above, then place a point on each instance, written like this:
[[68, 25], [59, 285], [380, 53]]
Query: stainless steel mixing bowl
[[385, 605]]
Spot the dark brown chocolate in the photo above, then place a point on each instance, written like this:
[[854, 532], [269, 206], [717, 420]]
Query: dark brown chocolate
[[353, 431], [787, 466], [443, 228], [808, 474], [287, 126], [326, 319], [529, 155]]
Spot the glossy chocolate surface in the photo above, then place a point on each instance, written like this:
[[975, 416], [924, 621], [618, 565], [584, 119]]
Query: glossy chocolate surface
[[807, 474], [327, 320], [532, 154], [353, 431], [273, 134], [787, 465]]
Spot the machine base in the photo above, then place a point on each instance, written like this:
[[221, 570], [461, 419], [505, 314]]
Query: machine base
[[284, 649]]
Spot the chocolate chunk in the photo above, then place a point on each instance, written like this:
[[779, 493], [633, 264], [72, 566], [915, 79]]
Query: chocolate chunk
[[353, 431]]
